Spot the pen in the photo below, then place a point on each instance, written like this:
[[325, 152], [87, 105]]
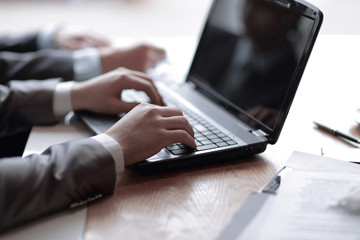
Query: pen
[[336, 133]]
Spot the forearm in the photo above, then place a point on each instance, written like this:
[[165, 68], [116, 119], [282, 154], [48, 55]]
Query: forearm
[[85, 62], [24, 104], [64, 176], [23, 43], [45, 58], [30, 42], [36, 65]]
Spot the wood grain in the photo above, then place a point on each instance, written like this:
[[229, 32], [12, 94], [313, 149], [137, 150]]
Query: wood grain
[[198, 203], [195, 202]]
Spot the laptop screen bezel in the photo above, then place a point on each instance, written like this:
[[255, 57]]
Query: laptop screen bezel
[[299, 7]]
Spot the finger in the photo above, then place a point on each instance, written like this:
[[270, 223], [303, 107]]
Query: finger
[[96, 40], [162, 102], [160, 53], [181, 136], [178, 122], [145, 86], [170, 112], [154, 57], [74, 44], [147, 78], [137, 73]]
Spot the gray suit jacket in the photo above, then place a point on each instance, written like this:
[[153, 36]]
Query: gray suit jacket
[[65, 175], [21, 59]]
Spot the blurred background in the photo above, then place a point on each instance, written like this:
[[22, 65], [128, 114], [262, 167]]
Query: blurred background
[[139, 18], [171, 24], [111, 17]]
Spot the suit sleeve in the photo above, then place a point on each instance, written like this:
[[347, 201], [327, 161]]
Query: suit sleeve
[[64, 176], [23, 43], [40, 65], [26, 103], [21, 59]]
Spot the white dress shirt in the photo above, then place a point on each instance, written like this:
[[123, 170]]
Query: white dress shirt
[[87, 63], [62, 105]]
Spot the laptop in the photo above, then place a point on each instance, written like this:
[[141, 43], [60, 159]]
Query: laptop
[[241, 83]]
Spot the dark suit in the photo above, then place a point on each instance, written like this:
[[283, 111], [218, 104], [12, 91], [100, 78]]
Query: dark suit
[[65, 175], [21, 59]]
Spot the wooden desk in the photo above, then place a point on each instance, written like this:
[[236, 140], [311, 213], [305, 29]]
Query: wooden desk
[[198, 203]]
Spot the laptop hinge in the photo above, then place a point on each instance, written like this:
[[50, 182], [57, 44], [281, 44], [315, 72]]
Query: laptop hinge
[[259, 133]]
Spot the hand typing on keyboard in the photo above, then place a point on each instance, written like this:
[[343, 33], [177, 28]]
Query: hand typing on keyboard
[[103, 93], [147, 129], [207, 136]]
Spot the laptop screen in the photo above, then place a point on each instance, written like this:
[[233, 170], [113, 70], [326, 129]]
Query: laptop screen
[[249, 56]]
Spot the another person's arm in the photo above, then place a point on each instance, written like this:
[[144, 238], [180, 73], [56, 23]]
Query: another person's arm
[[58, 51], [72, 173]]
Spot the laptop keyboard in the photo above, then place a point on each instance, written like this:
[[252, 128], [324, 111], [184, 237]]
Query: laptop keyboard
[[207, 136]]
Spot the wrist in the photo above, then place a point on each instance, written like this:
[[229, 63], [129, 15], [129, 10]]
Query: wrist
[[46, 36], [62, 99], [87, 64], [107, 59], [77, 96]]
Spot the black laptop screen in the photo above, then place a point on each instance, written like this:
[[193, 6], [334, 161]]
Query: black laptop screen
[[248, 55]]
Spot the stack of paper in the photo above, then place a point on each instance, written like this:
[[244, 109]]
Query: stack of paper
[[319, 198]]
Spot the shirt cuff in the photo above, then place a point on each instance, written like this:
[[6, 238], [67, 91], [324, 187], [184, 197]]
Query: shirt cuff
[[87, 64], [115, 150], [62, 99], [46, 35]]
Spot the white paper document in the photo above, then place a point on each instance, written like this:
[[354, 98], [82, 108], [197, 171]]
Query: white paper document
[[309, 162], [312, 204]]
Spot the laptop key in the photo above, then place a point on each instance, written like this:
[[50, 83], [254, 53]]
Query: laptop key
[[200, 127], [173, 147], [231, 142], [212, 136], [217, 140], [182, 151], [222, 144], [201, 138], [206, 147]]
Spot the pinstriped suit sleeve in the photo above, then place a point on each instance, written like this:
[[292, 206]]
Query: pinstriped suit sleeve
[[22, 43], [21, 59], [65, 175], [42, 64], [24, 104]]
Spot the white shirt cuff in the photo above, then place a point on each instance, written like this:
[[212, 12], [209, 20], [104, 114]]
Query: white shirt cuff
[[87, 64], [115, 150], [46, 35], [62, 99]]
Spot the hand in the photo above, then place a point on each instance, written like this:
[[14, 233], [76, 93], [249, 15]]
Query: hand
[[150, 128], [73, 38], [138, 58], [103, 93]]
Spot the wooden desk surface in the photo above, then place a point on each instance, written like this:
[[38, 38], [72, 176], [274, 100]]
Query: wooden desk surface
[[197, 203]]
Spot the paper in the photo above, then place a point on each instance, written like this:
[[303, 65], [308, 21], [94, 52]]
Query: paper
[[323, 204], [309, 162]]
